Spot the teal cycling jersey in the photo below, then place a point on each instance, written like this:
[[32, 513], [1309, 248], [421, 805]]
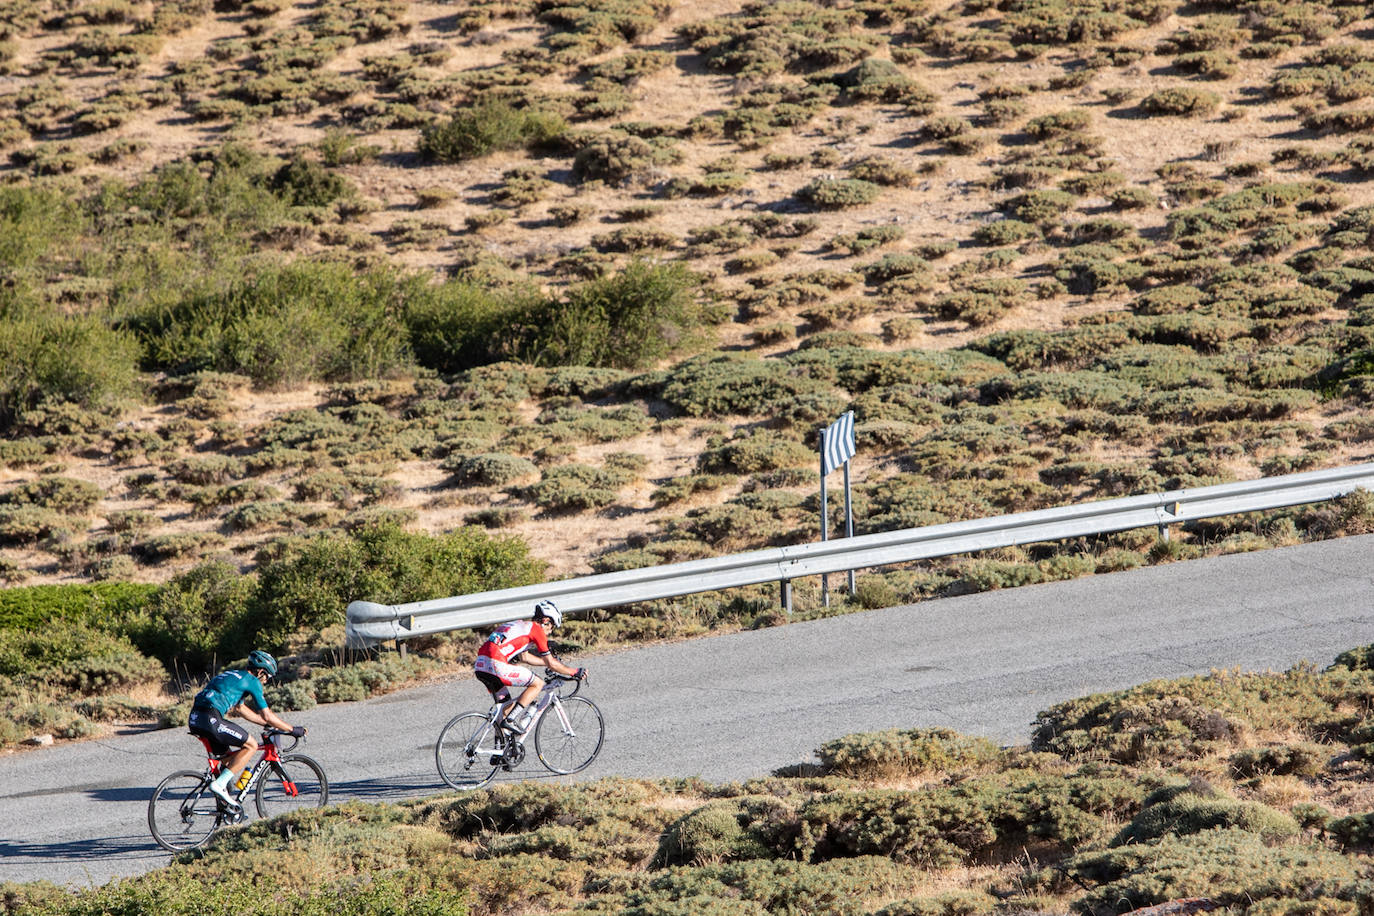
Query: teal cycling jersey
[[230, 688]]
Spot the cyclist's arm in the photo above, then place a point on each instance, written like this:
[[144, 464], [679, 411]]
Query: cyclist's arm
[[274, 720], [554, 664], [265, 717]]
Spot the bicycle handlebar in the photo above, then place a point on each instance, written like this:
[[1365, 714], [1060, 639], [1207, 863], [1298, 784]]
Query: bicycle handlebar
[[269, 733], [553, 677]]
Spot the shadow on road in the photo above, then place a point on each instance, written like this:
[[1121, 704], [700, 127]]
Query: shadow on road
[[125, 846]]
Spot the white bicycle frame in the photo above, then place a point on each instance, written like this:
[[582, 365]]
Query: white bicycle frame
[[547, 697]]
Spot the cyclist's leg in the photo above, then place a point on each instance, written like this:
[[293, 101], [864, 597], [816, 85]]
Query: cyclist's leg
[[500, 693], [511, 677], [231, 742]]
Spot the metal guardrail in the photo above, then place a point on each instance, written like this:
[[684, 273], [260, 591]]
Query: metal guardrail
[[370, 623]]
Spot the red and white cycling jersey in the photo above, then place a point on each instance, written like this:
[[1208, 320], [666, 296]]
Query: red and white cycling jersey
[[510, 639]]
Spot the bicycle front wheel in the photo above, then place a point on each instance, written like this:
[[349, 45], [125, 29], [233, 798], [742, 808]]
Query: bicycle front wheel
[[569, 735], [465, 749], [183, 812], [293, 782]]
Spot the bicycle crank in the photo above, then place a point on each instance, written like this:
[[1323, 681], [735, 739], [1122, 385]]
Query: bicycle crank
[[513, 756]]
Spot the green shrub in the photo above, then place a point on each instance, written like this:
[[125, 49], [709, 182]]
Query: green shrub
[[285, 326], [838, 193], [732, 385], [1058, 124], [488, 127], [313, 581], [571, 487], [56, 358], [304, 183], [1230, 867], [1184, 101], [29, 524], [1005, 232], [1357, 659], [896, 753], [1038, 207], [101, 604], [883, 171], [60, 494], [1188, 718], [619, 158], [751, 453], [197, 619], [681, 488], [1303, 759], [78, 658], [1187, 812], [1132, 198], [491, 469], [726, 830]]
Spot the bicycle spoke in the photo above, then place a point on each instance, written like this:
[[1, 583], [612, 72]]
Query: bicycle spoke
[[569, 735], [294, 782], [465, 749], [183, 812]]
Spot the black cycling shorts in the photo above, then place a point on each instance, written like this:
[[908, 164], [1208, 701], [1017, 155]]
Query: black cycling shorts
[[224, 737], [493, 685]]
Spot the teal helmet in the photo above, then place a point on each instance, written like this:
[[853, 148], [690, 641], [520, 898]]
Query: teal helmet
[[261, 661]]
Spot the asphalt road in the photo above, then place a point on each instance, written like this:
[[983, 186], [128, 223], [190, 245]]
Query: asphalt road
[[730, 707]]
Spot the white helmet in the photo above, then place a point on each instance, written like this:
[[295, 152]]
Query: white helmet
[[550, 611]]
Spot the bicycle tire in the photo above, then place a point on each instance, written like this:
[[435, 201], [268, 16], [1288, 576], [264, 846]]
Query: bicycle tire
[[294, 782], [183, 813], [566, 752], [460, 768]]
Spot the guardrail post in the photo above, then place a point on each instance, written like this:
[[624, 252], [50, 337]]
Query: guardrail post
[[401, 648], [785, 587], [1164, 526]]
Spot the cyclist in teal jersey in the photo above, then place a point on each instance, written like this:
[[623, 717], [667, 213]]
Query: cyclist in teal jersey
[[236, 692]]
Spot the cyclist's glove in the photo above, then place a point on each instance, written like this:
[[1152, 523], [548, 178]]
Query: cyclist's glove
[[583, 675], [298, 731]]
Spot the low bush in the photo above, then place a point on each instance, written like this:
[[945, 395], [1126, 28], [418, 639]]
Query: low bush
[[1226, 866], [488, 127], [1182, 812], [60, 494], [491, 469], [897, 753], [751, 453], [311, 583], [1185, 719], [76, 658], [573, 487], [1182, 101], [838, 193]]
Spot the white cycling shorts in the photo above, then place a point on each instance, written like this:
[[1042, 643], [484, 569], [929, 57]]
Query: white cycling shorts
[[510, 675]]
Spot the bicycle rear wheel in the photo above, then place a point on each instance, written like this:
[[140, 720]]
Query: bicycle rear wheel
[[465, 749], [569, 742], [294, 782], [183, 812]]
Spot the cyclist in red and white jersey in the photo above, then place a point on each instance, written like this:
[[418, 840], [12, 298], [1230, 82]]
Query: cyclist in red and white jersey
[[496, 666]]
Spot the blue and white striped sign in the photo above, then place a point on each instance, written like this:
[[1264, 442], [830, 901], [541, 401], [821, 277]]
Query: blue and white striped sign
[[837, 443]]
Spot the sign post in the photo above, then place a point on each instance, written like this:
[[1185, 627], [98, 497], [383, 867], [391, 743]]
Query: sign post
[[837, 447]]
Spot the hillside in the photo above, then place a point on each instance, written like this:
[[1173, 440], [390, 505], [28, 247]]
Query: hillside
[[1053, 252]]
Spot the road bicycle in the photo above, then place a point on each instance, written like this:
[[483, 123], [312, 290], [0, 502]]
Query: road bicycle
[[567, 729], [183, 812]]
